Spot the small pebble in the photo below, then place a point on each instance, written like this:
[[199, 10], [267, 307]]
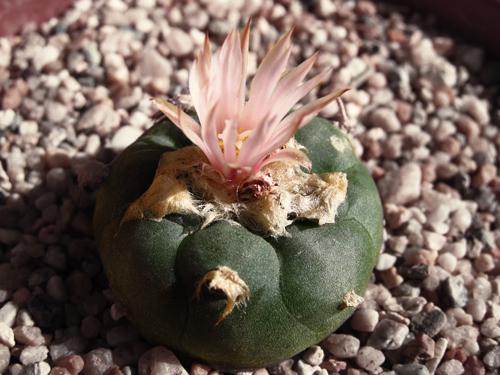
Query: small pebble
[[388, 335], [451, 367], [365, 320], [160, 360], [430, 323], [454, 291], [369, 358], [33, 354], [342, 346], [411, 369], [6, 335], [492, 358], [314, 355], [4, 358]]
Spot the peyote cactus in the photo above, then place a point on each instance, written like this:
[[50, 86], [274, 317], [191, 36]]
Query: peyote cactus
[[214, 237]]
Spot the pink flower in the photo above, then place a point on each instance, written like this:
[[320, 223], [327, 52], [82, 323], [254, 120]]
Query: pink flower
[[239, 137]]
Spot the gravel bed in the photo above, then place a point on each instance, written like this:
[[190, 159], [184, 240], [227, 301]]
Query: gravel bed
[[424, 114]]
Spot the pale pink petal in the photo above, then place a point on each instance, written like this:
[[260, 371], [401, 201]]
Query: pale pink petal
[[199, 80], [294, 77], [183, 121], [287, 99], [210, 138], [303, 115], [256, 142], [264, 83], [227, 81], [245, 42], [289, 126], [229, 137]]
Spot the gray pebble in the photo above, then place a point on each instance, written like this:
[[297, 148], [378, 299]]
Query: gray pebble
[[97, 361], [411, 369], [365, 320], [388, 335], [342, 346], [4, 358], [454, 291], [430, 323], [369, 358], [451, 367], [39, 368], [491, 328], [492, 358], [160, 360]]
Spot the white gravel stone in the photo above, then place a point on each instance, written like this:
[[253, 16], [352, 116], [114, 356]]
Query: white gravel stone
[[342, 346], [43, 56], [448, 261], [476, 108], [29, 335], [464, 337], [4, 358], [160, 360], [56, 112], [386, 119], [39, 368], [370, 359], [8, 314], [434, 241], [101, 116], [305, 369], [124, 136], [385, 261], [326, 7], [179, 42], [314, 355], [403, 185], [451, 367], [97, 361], [491, 328], [154, 68], [33, 354], [492, 358], [6, 335], [365, 320]]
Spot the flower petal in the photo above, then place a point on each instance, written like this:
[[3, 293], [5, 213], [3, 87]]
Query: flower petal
[[229, 138], [251, 150], [285, 100], [245, 43], [227, 81], [289, 126], [199, 80], [211, 141], [264, 82], [183, 121]]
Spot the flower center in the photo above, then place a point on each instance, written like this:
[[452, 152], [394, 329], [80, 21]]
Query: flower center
[[241, 138]]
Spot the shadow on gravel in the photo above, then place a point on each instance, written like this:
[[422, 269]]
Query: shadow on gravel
[[51, 276]]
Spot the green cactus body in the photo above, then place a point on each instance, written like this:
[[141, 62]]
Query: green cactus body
[[297, 283]]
